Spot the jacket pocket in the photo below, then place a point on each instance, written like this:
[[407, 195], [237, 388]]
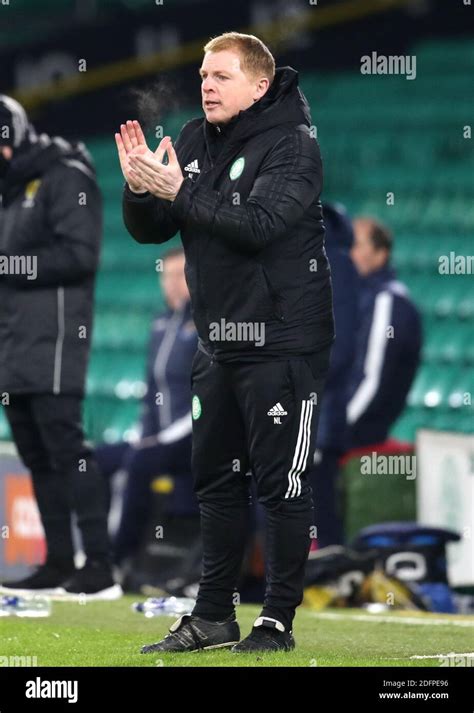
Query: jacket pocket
[[274, 301]]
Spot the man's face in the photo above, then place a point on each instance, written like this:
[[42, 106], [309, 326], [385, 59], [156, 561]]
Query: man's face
[[6, 152], [173, 282], [5, 158], [225, 88], [365, 256]]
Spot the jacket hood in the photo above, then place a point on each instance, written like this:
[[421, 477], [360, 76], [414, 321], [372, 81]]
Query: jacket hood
[[283, 103], [33, 158]]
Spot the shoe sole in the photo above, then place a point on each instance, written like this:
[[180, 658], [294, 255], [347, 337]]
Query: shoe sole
[[105, 595], [194, 651], [215, 646], [264, 651], [261, 651], [31, 592]]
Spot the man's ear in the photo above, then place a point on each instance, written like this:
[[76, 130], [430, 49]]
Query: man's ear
[[383, 257], [261, 93], [263, 85]]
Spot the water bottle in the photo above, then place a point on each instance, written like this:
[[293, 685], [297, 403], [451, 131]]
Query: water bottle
[[164, 606], [13, 605]]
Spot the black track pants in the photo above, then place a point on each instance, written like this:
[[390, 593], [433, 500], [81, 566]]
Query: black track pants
[[48, 434], [260, 417]]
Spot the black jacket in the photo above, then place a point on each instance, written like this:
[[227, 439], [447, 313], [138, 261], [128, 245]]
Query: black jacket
[[251, 225], [51, 211]]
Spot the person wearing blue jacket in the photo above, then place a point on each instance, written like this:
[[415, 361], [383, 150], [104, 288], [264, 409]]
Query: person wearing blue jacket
[[389, 339], [164, 445], [331, 441]]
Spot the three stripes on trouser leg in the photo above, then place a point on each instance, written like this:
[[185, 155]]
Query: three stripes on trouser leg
[[300, 455]]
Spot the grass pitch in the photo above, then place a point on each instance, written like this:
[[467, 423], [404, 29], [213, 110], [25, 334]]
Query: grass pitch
[[111, 634]]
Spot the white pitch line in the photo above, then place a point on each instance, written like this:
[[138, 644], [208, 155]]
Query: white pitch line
[[441, 656], [429, 621]]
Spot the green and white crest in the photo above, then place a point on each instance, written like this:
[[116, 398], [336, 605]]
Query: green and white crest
[[237, 168], [196, 407]]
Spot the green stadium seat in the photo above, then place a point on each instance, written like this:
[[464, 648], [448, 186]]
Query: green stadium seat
[[119, 330], [119, 373], [4, 426], [376, 136], [109, 419]]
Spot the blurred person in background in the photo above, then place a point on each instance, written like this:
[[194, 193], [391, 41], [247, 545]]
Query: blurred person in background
[[389, 338], [51, 219], [332, 436], [164, 445]]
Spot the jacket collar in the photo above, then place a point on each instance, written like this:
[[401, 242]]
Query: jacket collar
[[379, 277], [283, 103]]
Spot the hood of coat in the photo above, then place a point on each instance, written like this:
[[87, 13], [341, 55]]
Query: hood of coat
[[33, 158], [283, 103]]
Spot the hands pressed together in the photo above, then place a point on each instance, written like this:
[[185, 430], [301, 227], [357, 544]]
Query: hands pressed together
[[144, 170]]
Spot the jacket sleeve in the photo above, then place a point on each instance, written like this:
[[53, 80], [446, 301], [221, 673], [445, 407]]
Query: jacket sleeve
[[288, 182], [147, 218], [374, 357], [74, 217]]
